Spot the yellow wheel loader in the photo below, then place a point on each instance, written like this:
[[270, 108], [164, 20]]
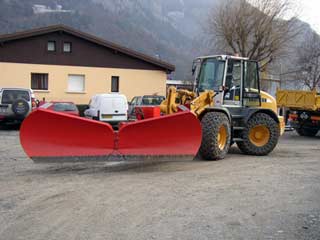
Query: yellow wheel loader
[[231, 107], [225, 107]]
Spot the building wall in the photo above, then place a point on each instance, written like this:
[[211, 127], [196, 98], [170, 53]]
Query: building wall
[[97, 80], [33, 50]]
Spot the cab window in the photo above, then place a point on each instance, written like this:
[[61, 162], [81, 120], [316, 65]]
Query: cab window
[[251, 80], [251, 92], [233, 81], [211, 75]]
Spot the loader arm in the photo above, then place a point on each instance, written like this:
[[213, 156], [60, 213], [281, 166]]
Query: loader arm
[[178, 98]]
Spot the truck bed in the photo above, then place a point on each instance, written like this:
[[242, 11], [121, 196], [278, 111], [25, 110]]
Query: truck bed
[[300, 100]]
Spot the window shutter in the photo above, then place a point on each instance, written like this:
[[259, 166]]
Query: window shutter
[[76, 83]]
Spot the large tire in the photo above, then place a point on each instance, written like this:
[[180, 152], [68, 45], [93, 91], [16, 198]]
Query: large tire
[[260, 136], [215, 146], [307, 132]]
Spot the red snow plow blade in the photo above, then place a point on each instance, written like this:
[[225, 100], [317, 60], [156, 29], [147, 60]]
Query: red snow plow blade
[[48, 136]]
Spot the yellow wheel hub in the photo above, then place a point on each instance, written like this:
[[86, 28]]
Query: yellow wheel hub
[[259, 135], [222, 137]]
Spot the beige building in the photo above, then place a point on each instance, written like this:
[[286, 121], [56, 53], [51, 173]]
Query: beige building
[[63, 64], [270, 83]]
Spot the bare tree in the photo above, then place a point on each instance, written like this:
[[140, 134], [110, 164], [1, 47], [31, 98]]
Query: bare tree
[[252, 28], [308, 61]]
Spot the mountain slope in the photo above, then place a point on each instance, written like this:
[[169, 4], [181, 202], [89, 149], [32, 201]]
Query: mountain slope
[[167, 29], [172, 30]]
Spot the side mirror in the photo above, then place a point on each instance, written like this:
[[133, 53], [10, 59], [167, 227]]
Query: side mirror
[[193, 69], [194, 66]]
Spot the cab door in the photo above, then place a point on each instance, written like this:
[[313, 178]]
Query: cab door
[[233, 83], [251, 84]]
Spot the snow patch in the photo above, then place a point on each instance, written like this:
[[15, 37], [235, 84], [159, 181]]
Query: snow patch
[[40, 9]]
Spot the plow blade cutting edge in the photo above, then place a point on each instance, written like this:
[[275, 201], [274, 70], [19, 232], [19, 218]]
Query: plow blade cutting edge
[[48, 136]]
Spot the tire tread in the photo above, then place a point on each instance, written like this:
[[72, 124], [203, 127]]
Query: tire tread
[[211, 123], [260, 119]]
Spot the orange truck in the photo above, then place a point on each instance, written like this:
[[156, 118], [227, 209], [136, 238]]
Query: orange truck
[[303, 110]]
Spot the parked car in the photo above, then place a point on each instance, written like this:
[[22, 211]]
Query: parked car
[[60, 106], [16, 104], [147, 100], [112, 108]]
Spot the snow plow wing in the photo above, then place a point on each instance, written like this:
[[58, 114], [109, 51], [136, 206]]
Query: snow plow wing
[[48, 136]]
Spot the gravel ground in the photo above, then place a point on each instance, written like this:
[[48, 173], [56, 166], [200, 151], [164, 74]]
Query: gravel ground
[[240, 197]]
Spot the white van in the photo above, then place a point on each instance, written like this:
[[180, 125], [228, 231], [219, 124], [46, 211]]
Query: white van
[[112, 108]]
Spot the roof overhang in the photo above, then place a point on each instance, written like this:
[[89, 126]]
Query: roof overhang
[[117, 48]]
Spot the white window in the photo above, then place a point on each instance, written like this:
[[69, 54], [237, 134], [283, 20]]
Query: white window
[[76, 83], [51, 46], [67, 47]]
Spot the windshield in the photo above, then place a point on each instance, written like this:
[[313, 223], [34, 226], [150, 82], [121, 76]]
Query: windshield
[[152, 100], [211, 75], [61, 107]]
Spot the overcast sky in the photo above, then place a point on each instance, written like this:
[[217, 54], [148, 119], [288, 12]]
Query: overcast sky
[[310, 13]]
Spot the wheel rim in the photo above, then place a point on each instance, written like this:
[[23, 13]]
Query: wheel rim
[[259, 135], [222, 137]]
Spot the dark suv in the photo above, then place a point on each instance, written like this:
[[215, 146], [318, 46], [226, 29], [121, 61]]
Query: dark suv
[[16, 104]]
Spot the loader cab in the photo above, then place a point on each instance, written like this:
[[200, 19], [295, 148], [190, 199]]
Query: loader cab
[[234, 80]]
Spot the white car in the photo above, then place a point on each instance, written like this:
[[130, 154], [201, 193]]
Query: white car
[[112, 108]]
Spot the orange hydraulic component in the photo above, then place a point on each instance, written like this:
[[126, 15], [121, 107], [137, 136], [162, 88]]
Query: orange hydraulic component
[[176, 98]]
